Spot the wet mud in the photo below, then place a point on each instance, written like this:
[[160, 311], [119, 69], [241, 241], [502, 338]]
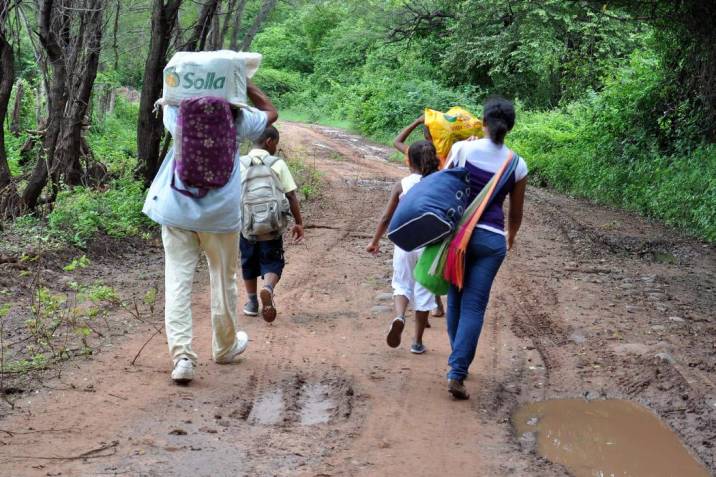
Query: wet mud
[[605, 437]]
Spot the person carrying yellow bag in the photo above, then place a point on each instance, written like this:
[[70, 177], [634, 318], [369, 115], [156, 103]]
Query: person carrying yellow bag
[[457, 124], [442, 129]]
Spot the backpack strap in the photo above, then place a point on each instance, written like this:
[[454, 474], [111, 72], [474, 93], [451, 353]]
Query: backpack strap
[[269, 161], [246, 161]]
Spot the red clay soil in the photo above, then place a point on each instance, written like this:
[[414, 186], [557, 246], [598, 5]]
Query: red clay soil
[[592, 303]]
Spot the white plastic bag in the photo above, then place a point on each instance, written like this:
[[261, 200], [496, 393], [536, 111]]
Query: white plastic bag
[[220, 73]]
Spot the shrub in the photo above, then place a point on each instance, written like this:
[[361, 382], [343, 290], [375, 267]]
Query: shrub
[[81, 213], [114, 140], [277, 83], [604, 148]]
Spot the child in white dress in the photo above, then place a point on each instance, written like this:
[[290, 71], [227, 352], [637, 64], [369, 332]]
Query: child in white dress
[[422, 161]]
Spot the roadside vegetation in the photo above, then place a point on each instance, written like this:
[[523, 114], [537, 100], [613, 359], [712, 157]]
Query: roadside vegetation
[[609, 106]]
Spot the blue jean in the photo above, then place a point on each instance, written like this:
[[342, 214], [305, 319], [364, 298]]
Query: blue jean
[[466, 307]]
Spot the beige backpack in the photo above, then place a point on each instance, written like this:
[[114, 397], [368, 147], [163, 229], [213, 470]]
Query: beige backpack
[[264, 206]]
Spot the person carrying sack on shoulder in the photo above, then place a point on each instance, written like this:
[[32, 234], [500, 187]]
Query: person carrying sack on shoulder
[[194, 197], [268, 199], [488, 242]]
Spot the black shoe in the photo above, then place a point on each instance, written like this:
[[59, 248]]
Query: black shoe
[[394, 332], [457, 389]]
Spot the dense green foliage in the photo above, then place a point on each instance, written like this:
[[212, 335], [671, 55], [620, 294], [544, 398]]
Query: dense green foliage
[[609, 106], [82, 212], [591, 91]]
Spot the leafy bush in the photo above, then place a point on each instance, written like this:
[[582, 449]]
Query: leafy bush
[[114, 140], [284, 48], [604, 148], [278, 83], [380, 106], [81, 213]]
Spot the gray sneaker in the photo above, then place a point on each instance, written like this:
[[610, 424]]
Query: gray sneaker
[[418, 348], [251, 308]]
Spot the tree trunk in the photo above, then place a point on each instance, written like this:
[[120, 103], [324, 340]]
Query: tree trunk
[[10, 204], [115, 41], [197, 40], [7, 78], [40, 109], [56, 97], [227, 21], [266, 8], [112, 101], [66, 162], [41, 59], [70, 32], [237, 24], [15, 125], [150, 128], [215, 39]]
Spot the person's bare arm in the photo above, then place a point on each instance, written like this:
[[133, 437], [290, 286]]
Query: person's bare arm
[[374, 246], [514, 219], [261, 102], [399, 142], [297, 231]]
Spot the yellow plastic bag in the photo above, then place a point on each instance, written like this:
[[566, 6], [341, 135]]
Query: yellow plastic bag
[[457, 124]]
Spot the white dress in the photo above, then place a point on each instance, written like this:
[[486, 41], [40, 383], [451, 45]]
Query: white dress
[[404, 263]]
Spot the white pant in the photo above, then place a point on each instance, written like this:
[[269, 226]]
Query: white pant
[[181, 255], [404, 283]]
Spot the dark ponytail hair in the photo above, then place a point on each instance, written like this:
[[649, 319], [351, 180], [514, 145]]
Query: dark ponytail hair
[[499, 116], [423, 157]]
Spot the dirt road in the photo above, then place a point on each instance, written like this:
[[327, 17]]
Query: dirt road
[[593, 303]]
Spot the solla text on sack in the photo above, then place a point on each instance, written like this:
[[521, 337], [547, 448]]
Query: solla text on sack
[[189, 81]]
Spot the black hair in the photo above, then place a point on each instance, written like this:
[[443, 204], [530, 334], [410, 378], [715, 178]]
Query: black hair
[[269, 133], [499, 116], [423, 157]]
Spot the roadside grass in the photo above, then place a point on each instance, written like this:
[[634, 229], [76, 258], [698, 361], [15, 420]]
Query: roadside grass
[[307, 176]]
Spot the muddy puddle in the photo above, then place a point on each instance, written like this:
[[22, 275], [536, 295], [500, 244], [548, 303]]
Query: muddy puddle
[[605, 438]]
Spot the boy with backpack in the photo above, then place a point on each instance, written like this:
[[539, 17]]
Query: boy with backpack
[[268, 197]]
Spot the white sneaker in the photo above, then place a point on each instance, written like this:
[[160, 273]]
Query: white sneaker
[[183, 371], [242, 342]]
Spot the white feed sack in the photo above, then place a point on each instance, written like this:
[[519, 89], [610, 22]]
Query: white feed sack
[[221, 73]]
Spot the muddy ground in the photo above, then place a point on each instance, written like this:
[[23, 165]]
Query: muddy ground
[[592, 303]]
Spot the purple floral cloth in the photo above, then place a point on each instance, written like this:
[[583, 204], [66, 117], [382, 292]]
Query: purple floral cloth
[[205, 145]]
